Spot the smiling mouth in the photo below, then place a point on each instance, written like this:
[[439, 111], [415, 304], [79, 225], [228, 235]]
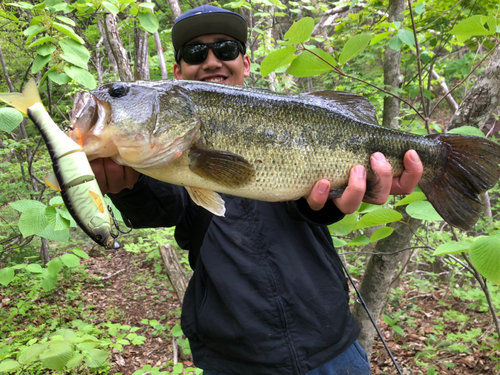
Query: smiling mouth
[[215, 79]]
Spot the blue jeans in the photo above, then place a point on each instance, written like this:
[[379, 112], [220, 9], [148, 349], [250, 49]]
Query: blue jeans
[[351, 362]]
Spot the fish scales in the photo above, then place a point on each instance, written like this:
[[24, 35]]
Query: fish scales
[[262, 145]]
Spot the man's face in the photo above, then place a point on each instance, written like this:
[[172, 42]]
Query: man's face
[[212, 69]]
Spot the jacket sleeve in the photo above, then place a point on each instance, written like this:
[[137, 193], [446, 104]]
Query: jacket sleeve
[[152, 203], [300, 210]]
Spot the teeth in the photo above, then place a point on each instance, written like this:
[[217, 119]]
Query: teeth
[[215, 80]]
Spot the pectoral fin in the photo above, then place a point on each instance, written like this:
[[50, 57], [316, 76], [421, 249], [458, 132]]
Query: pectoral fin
[[51, 181], [98, 200], [222, 167], [207, 199]]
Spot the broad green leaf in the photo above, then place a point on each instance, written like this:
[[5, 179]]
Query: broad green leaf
[[95, 357], [81, 253], [70, 260], [377, 38], [492, 23], [34, 268], [468, 130], [81, 76], [66, 20], [31, 353], [398, 330], [46, 50], [381, 233], [423, 210], [364, 208], [395, 43], [49, 283], [406, 36], [32, 221], [54, 235], [326, 56], [110, 7], [358, 241], [485, 256], [56, 357], [9, 365], [276, 59], [419, 8], [354, 46], [344, 226], [75, 361], [177, 331], [413, 197], [55, 266], [147, 5], [55, 219], [149, 22], [7, 274], [337, 242], [32, 31], [10, 118], [378, 217], [39, 63], [472, 26], [22, 4], [299, 32], [388, 319], [45, 39], [307, 65], [59, 78], [452, 248], [27, 204], [75, 53], [68, 31], [66, 333]]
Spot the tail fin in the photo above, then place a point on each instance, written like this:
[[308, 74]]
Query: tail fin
[[470, 166], [25, 100]]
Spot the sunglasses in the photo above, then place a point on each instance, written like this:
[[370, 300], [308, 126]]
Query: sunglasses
[[227, 50]]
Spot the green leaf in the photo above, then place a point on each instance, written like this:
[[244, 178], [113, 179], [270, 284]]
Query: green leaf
[[95, 357], [337, 242], [147, 5], [22, 4], [75, 361], [32, 221], [10, 118], [354, 46], [277, 59], [381, 233], [81, 253], [34, 268], [452, 248], [33, 31], [46, 50], [55, 219], [49, 283], [306, 65], [423, 210], [68, 31], [395, 43], [54, 235], [419, 8], [413, 197], [111, 8], [149, 22], [406, 36], [388, 319], [9, 365], [56, 357], [31, 353], [81, 76], [485, 256], [27, 204], [472, 26], [70, 260], [344, 226], [75, 53], [377, 38], [7, 274], [177, 331], [54, 266], [66, 20], [468, 130], [300, 31], [358, 241], [398, 330], [59, 78], [378, 217], [44, 40], [39, 63]]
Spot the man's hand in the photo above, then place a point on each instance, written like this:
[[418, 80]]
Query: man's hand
[[355, 191], [111, 177]]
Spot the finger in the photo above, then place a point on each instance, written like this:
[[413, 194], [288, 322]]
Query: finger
[[116, 176], [411, 176], [97, 166], [383, 170], [354, 192], [319, 195]]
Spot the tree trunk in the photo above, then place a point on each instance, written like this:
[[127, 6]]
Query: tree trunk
[[175, 7], [159, 48], [482, 99], [5, 72], [141, 54], [111, 57], [175, 271], [378, 276], [119, 52], [443, 89]]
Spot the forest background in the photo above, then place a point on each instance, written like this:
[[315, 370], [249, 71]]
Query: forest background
[[67, 306]]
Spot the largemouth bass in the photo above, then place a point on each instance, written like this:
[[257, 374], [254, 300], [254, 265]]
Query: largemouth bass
[[272, 147], [73, 175]]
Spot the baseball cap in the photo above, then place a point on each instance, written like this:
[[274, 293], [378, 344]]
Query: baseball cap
[[208, 19]]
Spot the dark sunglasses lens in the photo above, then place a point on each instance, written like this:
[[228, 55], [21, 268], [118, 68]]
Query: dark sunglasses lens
[[227, 50], [195, 53]]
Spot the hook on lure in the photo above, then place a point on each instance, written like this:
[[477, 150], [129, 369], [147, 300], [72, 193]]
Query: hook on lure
[[116, 245]]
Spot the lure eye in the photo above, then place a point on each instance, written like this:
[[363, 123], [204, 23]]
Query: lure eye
[[98, 237], [119, 90]]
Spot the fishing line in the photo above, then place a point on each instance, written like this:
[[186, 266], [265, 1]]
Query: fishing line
[[362, 301]]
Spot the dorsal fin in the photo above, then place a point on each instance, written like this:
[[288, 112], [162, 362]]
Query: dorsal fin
[[357, 106]]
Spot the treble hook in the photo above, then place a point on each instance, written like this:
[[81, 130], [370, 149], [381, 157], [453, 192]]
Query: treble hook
[[116, 224]]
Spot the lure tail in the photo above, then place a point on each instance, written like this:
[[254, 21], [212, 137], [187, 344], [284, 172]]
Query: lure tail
[[22, 101], [470, 166]]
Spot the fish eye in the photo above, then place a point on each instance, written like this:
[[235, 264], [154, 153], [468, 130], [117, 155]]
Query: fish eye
[[118, 90]]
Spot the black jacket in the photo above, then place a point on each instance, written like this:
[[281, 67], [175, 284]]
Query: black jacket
[[268, 295]]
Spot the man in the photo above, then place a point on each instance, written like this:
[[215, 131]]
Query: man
[[268, 295]]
